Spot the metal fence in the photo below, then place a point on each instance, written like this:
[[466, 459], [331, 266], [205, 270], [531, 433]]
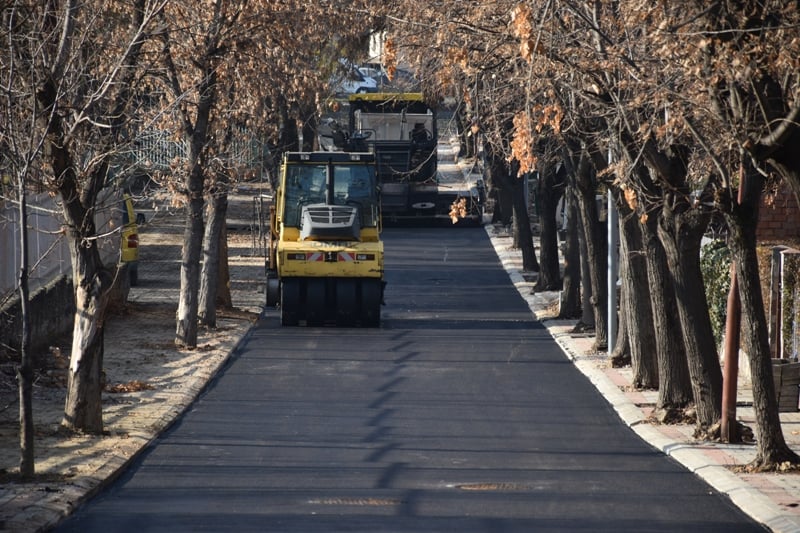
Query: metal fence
[[48, 250], [157, 151]]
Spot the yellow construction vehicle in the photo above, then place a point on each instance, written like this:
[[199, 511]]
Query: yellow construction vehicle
[[401, 129], [325, 263]]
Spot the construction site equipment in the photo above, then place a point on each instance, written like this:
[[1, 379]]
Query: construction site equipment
[[401, 130], [325, 263]]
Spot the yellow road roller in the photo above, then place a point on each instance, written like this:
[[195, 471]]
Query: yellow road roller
[[325, 262]]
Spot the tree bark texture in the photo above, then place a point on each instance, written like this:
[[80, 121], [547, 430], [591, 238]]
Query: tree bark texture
[[620, 354], [571, 288], [217, 208], [550, 190], [596, 245], [309, 129], [680, 234], [288, 136], [65, 145], [522, 223], [197, 133], [636, 311], [503, 205], [83, 406], [188, 302], [224, 299], [463, 132], [500, 188], [587, 309], [91, 280], [674, 387], [25, 370], [771, 444], [680, 229]]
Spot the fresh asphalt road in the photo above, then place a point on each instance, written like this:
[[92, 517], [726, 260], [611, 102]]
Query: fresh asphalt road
[[459, 414]]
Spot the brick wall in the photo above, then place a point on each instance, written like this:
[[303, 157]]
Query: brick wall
[[779, 217]]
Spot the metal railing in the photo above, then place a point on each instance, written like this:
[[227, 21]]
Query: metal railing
[[48, 248]]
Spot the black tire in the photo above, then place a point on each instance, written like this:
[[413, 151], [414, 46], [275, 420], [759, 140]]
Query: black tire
[[315, 301], [272, 290], [371, 303], [290, 302], [346, 302], [133, 274]]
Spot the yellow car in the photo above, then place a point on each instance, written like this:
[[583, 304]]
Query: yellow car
[[130, 239]]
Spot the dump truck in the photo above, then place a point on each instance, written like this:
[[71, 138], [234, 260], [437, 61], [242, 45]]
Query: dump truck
[[325, 261], [401, 129]]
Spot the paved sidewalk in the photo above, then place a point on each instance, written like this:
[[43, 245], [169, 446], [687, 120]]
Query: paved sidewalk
[[772, 499]]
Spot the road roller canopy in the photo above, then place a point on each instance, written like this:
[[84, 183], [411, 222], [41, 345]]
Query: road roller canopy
[[333, 179]]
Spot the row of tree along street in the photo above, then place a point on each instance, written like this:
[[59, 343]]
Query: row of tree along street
[[682, 112]]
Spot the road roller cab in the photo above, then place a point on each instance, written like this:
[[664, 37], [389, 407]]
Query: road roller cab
[[325, 264]]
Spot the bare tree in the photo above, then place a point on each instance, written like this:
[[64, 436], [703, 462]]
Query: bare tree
[[20, 148], [78, 73]]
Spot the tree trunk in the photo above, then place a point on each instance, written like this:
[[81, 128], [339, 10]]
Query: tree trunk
[[209, 277], [288, 138], [674, 387], [91, 280], [771, 445], [186, 319], [550, 191], [620, 355], [186, 328], [25, 370], [522, 222], [571, 288], [79, 192], [309, 129], [586, 322], [224, 300], [680, 234], [503, 206], [636, 311], [596, 245], [462, 130], [500, 188]]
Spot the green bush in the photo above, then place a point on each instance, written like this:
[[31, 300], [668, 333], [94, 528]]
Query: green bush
[[715, 262]]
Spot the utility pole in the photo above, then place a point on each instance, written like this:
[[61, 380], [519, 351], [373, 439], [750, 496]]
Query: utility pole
[[730, 376]]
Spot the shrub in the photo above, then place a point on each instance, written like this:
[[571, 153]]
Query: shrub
[[715, 263]]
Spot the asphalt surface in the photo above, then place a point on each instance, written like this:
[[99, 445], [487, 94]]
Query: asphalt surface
[[461, 413]]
